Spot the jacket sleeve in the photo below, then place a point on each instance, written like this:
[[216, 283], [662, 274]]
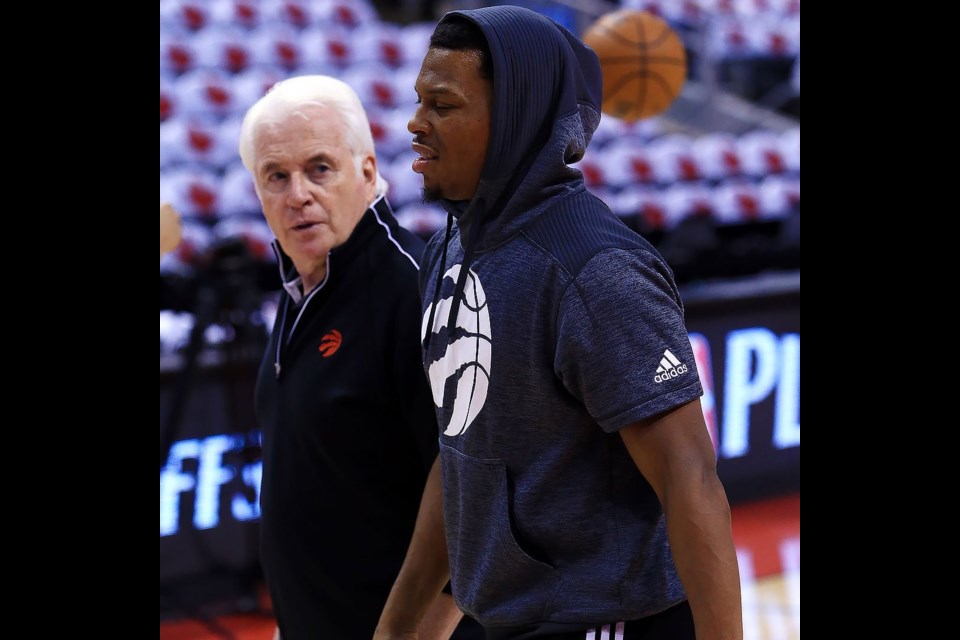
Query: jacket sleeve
[[415, 400]]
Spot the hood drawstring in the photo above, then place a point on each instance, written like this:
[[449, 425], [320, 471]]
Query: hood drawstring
[[469, 246], [468, 250], [470, 242]]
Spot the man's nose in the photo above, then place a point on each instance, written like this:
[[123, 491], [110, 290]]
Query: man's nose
[[299, 193], [417, 125]]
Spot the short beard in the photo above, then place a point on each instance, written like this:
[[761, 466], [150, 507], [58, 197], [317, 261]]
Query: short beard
[[430, 195]]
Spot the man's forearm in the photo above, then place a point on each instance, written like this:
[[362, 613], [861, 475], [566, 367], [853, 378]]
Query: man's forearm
[[698, 524], [441, 620]]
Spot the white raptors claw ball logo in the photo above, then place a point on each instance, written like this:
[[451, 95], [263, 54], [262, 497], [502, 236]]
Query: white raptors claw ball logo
[[467, 355]]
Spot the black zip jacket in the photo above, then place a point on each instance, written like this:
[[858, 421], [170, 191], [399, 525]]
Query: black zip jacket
[[349, 434]]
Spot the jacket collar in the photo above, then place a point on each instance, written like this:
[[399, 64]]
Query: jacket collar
[[378, 213]]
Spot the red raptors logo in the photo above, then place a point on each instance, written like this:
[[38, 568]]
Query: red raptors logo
[[330, 343]]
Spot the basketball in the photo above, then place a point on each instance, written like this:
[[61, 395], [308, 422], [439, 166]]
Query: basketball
[[643, 61]]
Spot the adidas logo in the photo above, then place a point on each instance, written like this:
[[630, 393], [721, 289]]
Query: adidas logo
[[669, 368]]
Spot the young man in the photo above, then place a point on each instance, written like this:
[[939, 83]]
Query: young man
[[579, 488], [348, 426]]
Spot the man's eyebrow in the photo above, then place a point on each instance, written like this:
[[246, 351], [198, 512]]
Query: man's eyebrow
[[272, 165], [321, 157], [268, 167], [439, 90]]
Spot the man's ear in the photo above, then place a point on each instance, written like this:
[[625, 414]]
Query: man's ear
[[369, 169]]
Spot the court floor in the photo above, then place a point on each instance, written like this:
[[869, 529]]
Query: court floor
[[767, 535]]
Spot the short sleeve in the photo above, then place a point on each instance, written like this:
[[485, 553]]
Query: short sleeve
[[622, 345]]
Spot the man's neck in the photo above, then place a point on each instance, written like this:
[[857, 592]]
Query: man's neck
[[310, 281]]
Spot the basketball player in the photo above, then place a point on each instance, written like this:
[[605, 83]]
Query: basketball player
[[349, 432], [577, 478]]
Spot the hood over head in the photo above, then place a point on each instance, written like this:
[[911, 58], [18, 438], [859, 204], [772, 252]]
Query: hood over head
[[547, 88]]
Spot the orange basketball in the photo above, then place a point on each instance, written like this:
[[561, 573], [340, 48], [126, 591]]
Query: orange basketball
[[643, 60]]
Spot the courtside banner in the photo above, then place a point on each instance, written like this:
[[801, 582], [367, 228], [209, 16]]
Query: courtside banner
[[210, 489], [746, 340]]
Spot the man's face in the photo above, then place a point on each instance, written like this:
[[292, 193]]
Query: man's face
[[311, 188], [451, 123]]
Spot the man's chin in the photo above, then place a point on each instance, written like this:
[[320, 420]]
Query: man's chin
[[431, 195]]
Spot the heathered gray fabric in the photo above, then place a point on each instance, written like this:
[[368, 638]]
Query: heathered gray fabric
[[563, 322]]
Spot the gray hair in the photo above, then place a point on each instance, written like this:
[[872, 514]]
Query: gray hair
[[312, 90]]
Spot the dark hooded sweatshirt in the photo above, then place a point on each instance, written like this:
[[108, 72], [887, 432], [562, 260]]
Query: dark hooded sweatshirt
[[568, 327]]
